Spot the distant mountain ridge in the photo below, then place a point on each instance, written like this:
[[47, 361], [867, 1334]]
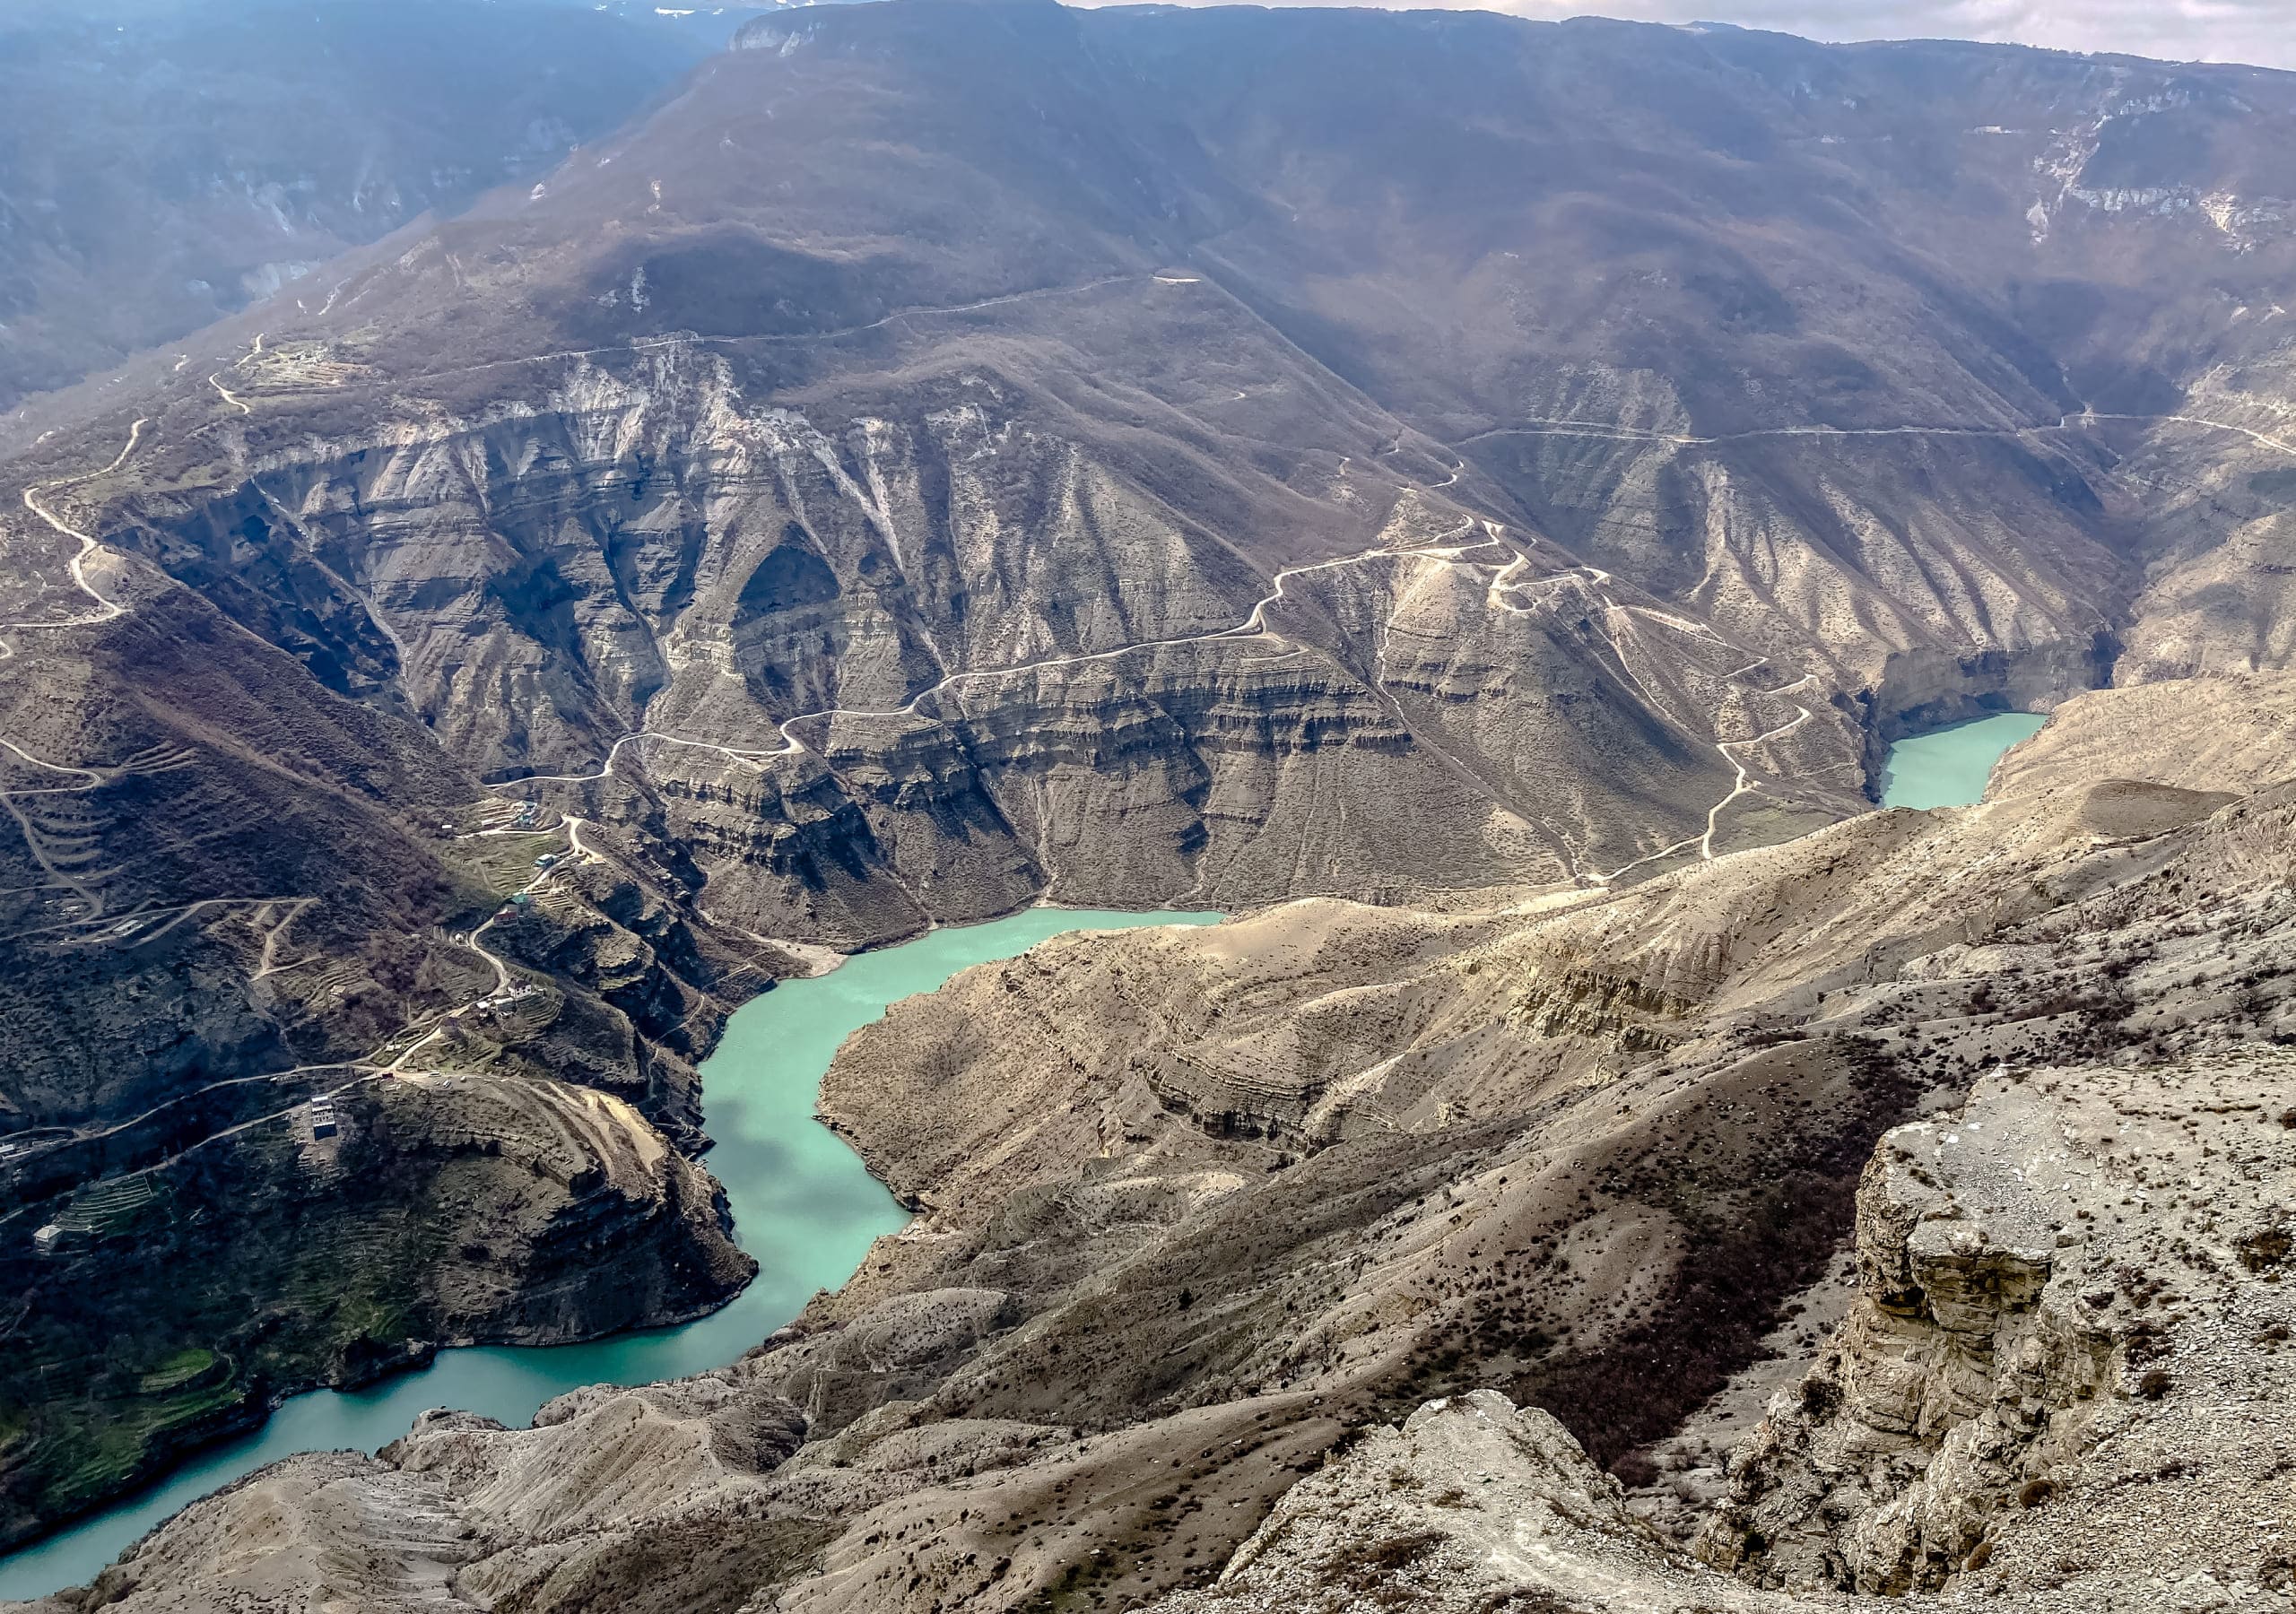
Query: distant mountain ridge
[[166, 164]]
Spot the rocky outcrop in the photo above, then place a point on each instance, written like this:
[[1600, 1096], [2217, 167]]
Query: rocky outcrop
[[2063, 1385], [2062, 1356], [1470, 1504]]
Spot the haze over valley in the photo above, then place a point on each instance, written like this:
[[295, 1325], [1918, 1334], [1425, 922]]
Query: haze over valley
[[527, 530]]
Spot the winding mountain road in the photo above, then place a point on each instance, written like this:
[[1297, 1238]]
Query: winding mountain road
[[105, 609]]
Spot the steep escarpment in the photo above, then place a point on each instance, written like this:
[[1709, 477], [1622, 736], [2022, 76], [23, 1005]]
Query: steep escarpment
[[2064, 1341], [900, 655], [151, 807], [1217, 780], [236, 892]]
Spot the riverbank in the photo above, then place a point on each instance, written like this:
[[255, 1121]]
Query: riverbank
[[804, 1206], [1948, 767]]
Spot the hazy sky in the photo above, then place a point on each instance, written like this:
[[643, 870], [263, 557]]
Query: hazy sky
[[2262, 31]]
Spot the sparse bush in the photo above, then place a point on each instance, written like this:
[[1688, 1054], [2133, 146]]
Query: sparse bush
[[1634, 1470]]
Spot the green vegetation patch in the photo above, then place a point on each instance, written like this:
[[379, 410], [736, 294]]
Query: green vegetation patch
[[180, 1370]]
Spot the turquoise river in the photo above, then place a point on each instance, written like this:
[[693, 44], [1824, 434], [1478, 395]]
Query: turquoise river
[[802, 1204], [1948, 767]]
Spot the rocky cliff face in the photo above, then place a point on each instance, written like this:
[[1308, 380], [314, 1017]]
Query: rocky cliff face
[[867, 668], [1469, 1504], [621, 497], [2061, 1377]]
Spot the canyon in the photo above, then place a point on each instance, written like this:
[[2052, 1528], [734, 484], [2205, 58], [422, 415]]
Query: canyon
[[1199, 1307], [1475, 498]]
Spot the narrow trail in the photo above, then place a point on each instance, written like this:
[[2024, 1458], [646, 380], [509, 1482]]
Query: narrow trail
[[2280, 444], [82, 886], [370, 1069], [267, 964], [48, 845], [1741, 786], [1595, 580], [94, 776], [106, 609], [53, 848], [228, 395], [503, 980]]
